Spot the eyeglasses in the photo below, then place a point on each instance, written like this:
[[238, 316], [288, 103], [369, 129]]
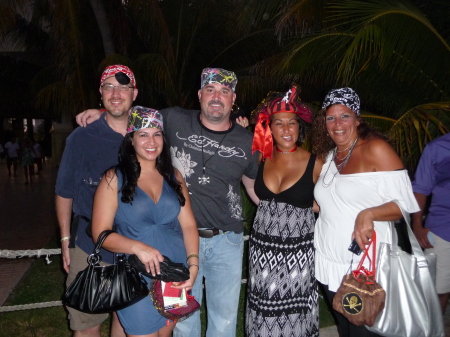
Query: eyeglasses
[[110, 87]]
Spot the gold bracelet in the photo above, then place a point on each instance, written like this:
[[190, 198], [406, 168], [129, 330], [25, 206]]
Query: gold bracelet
[[65, 238], [192, 255], [195, 265]]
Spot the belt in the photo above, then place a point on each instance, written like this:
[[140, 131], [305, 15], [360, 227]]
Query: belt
[[210, 232]]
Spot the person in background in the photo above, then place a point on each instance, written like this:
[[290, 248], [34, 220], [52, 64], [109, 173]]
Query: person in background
[[89, 152], [432, 179], [282, 297], [214, 155], [148, 202], [27, 152], [360, 188], [12, 155], [38, 155]]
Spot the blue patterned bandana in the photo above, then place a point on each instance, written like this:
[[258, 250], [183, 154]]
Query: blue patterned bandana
[[345, 96], [220, 76], [140, 117]]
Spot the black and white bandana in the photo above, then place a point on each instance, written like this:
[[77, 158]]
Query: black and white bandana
[[345, 96]]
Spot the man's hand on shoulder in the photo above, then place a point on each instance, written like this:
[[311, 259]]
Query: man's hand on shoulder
[[242, 121], [87, 117]]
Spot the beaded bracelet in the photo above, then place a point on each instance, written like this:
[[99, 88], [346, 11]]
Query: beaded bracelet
[[195, 265], [192, 255], [65, 238]]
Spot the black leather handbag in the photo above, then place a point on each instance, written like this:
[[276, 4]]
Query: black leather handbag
[[169, 271], [100, 289]]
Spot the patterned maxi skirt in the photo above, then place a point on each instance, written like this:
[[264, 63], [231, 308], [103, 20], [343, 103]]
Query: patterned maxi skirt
[[282, 291]]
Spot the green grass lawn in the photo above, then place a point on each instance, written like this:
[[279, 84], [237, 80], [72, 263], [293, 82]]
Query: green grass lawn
[[43, 283]]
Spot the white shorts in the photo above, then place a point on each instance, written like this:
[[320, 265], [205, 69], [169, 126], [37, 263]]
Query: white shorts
[[442, 251]]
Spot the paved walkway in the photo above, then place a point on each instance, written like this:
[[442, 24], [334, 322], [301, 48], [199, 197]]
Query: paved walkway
[[28, 221]]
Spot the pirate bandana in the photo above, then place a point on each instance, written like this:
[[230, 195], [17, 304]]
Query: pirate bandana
[[272, 104], [123, 74], [220, 76], [140, 117], [345, 96]]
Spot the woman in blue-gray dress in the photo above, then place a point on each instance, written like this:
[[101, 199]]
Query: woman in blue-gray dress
[[147, 200]]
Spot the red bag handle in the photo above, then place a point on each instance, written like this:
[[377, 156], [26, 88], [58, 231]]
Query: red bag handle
[[362, 270]]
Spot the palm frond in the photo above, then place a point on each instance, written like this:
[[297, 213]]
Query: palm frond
[[389, 31], [384, 124], [416, 128]]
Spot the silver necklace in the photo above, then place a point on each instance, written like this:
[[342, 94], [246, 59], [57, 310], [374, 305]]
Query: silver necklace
[[203, 180], [340, 166], [344, 149], [341, 159]]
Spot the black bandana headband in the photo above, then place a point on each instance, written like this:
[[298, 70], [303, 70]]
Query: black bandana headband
[[345, 96]]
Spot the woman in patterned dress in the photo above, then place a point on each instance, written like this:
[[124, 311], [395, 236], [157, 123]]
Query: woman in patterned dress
[[282, 290]]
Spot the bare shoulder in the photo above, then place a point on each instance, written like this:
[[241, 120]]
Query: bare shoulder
[[381, 154], [110, 177], [111, 174], [319, 162], [377, 146]]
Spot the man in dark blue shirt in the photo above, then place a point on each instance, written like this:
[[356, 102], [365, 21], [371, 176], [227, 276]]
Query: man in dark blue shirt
[[89, 152]]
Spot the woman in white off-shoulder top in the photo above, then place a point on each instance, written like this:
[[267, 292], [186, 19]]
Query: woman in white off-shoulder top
[[361, 184]]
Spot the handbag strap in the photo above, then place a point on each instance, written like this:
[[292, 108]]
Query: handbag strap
[[415, 247], [372, 264], [101, 238]]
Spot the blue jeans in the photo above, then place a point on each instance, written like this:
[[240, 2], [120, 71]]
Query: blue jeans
[[221, 266]]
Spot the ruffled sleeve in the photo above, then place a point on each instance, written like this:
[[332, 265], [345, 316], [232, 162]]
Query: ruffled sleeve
[[396, 186]]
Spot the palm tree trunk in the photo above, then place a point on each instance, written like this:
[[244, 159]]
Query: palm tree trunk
[[103, 25]]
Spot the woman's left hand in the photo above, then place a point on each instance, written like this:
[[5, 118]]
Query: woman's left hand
[[184, 285], [188, 284], [363, 228]]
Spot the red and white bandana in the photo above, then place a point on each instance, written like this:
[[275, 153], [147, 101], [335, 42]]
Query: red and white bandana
[[117, 68]]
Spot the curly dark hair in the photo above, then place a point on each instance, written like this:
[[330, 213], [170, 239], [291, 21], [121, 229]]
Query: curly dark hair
[[322, 143], [131, 169]]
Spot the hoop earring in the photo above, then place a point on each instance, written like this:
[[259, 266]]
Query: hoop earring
[[234, 108]]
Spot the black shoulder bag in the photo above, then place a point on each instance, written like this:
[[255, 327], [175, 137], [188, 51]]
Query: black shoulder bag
[[99, 289]]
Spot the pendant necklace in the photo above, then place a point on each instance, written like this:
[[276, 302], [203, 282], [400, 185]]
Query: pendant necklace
[[203, 180], [292, 150], [338, 166]]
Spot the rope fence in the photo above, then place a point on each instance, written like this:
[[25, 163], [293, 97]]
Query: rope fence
[[14, 254], [17, 254], [10, 308]]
